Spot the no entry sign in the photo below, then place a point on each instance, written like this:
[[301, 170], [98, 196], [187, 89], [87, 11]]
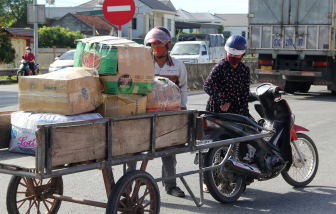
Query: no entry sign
[[119, 12]]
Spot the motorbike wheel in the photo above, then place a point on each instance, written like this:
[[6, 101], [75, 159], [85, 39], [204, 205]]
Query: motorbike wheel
[[224, 186], [301, 174], [19, 74]]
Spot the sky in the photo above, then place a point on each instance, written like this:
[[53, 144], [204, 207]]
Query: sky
[[193, 6]]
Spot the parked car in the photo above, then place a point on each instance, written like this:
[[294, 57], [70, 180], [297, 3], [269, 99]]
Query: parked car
[[65, 60]]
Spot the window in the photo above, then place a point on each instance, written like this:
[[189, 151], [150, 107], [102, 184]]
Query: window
[[244, 34], [203, 48], [169, 24], [134, 23]]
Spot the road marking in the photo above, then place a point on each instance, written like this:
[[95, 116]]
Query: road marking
[[119, 8]]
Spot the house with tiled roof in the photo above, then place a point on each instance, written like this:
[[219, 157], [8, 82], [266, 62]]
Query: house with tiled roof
[[88, 25], [234, 24], [205, 22], [20, 39], [148, 14]]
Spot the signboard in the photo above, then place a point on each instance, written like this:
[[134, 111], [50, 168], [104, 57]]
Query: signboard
[[40, 14], [119, 12]]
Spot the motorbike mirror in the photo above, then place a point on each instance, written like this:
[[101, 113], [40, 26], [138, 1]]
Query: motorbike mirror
[[22, 57]]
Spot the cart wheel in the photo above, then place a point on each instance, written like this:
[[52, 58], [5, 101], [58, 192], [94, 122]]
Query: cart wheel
[[135, 192], [20, 199]]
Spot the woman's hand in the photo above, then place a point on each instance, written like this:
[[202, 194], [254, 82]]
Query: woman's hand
[[225, 107]]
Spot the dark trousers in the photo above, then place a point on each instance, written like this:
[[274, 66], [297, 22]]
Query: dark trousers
[[32, 67], [168, 169]]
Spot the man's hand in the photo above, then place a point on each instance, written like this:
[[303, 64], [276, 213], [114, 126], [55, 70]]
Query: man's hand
[[225, 107]]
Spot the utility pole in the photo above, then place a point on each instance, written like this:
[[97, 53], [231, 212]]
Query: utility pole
[[35, 31]]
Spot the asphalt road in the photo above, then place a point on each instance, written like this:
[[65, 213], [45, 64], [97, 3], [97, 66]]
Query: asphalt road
[[314, 110]]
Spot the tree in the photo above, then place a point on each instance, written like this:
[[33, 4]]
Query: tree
[[58, 36], [221, 29], [15, 11], [7, 53]]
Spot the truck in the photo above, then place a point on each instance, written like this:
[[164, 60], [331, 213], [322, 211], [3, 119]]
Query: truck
[[295, 42], [199, 48]]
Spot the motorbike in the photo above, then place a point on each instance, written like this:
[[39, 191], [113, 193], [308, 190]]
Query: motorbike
[[24, 69], [287, 152]]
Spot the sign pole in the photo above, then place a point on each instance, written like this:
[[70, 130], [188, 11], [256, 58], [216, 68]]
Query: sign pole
[[119, 31], [35, 31]]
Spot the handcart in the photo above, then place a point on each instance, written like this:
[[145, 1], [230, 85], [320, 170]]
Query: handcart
[[71, 147]]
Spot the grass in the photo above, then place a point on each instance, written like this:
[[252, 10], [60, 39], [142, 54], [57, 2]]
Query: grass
[[7, 78]]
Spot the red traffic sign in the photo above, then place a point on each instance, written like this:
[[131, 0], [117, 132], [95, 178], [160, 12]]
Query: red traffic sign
[[119, 12]]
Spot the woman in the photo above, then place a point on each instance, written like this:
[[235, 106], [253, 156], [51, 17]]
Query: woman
[[228, 84]]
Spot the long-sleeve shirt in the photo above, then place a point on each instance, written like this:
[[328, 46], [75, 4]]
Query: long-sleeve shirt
[[177, 73], [226, 84], [29, 56]]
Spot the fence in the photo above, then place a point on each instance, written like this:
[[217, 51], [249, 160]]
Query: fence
[[197, 73]]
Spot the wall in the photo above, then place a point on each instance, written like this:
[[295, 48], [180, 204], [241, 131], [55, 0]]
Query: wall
[[197, 74], [20, 49], [47, 56], [236, 30]]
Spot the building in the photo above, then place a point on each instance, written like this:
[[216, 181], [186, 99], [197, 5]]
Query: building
[[20, 39], [148, 14], [88, 25], [201, 22], [234, 24]]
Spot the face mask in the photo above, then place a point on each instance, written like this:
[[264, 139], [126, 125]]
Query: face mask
[[28, 51], [233, 60], [159, 51]]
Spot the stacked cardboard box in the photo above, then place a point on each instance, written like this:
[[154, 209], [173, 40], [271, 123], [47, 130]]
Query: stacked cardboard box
[[126, 73]]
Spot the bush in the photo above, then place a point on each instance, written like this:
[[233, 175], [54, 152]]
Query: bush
[[58, 36], [7, 53]]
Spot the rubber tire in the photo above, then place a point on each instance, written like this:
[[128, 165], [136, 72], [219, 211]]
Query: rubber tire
[[19, 74], [210, 183], [291, 87], [291, 181], [11, 196], [123, 182], [304, 87]]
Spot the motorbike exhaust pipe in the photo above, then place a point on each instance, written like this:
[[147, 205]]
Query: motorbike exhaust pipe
[[242, 168]]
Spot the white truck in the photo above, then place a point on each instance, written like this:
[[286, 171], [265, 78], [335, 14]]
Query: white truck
[[199, 48]]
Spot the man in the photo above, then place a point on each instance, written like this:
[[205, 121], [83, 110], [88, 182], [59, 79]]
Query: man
[[31, 58], [159, 39]]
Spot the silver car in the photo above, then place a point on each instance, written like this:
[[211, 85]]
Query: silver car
[[66, 60]]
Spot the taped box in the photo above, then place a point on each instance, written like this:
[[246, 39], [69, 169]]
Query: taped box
[[113, 55], [164, 97], [68, 91], [122, 105]]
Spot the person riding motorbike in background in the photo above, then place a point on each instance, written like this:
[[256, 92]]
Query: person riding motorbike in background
[[159, 39], [31, 58]]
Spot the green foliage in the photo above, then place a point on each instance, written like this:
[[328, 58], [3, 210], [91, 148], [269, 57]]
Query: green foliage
[[221, 29], [58, 36], [14, 11], [7, 53]]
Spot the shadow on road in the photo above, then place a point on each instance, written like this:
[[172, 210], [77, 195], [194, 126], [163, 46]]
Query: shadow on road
[[311, 199]]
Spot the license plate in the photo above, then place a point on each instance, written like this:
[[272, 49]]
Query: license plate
[[202, 142], [266, 67]]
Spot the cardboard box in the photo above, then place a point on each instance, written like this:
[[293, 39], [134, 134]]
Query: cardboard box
[[127, 83], [68, 91], [122, 105], [112, 55]]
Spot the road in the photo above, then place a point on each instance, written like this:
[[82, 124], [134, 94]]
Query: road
[[314, 110]]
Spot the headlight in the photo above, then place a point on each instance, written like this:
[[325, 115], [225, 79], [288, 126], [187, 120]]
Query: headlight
[[194, 61]]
